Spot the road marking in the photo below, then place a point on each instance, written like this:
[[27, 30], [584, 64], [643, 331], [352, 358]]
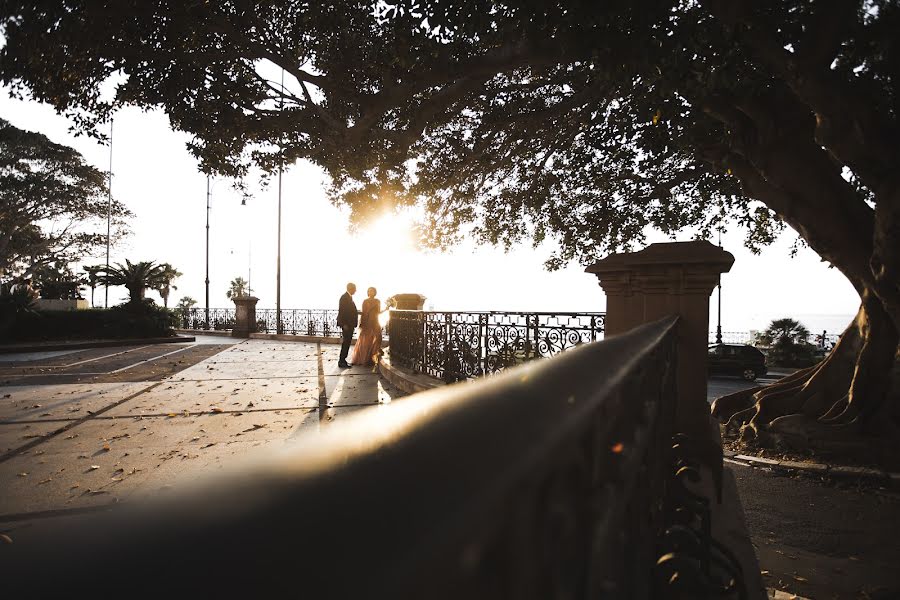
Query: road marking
[[37, 441], [81, 362], [151, 359]]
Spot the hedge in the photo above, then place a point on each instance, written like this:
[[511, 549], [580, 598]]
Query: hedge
[[97, 323]]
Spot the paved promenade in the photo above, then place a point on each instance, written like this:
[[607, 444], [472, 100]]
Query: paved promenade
[[80, 430]]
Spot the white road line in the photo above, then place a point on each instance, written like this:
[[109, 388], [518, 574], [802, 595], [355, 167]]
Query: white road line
[[81, 362], [55, 374], [151, 359]]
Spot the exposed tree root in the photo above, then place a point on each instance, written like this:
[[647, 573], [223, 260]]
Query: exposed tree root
[[837, 403]]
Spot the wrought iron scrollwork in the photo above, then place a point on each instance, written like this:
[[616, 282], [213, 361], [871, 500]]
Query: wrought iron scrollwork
[[692, 564], [454, 346]]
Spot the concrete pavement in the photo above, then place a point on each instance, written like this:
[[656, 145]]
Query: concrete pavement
[[92, 441]]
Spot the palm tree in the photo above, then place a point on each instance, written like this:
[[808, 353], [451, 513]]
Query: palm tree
[[164, 285], [93, 278], [186, 303], [137, 277], [783, 332], [237, 288], [787, 343]]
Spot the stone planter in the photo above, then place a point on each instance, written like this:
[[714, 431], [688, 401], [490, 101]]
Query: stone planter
[[409, 301]]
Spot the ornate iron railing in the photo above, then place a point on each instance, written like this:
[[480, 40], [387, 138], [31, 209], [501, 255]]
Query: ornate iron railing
[[453, 346], [555, 480], [213, 319], [294, 321], [822, 340]]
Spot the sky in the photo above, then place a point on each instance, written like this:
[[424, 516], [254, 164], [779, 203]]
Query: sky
[[158, 179]]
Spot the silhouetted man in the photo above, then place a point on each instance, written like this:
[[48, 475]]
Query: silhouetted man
[[347, 320]]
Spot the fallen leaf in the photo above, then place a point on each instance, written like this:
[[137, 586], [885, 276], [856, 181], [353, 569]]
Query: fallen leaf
[[216, 409], [77, 485], [48, 480], [23, 474], [800, 578], [106, 447], [93, 467]]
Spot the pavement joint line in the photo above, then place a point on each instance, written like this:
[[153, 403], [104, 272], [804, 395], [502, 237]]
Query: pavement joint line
[[302, 376], [323, 398], [80, 362], [37, 441], [194, 413], [152, 359], [57, 512]]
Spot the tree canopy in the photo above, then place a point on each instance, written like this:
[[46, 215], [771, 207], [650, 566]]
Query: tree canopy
[[583, 122], [53, 205]]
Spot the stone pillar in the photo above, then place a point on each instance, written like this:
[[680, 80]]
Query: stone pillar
[[244, 316], [409, 301], [668, 279]]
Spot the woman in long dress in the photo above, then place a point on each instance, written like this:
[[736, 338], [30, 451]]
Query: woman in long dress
[[368, 345]]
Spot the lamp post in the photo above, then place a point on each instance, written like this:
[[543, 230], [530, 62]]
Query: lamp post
[[719, 295], [278, 328], [207, 251], [108, 214]]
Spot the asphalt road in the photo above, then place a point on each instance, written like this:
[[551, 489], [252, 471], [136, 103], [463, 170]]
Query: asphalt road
[[821, 539], [816, 537], [721, 386]]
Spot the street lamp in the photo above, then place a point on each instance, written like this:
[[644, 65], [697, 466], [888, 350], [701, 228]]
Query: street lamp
[[108, 214], [207, 251], [278, 328], [719, 319]]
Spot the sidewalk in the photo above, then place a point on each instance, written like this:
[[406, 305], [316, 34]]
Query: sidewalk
[[66, 448]]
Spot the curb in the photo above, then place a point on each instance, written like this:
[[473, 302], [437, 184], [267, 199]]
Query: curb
[[836, 471], [405, 380], [13, 349], [779, 595]]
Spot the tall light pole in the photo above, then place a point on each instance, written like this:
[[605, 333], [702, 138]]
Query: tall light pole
[[207, 251], [278, 328], [108, 213], [719, 319]]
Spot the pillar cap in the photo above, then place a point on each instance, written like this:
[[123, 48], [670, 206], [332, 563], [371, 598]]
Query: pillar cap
[[696, 253]]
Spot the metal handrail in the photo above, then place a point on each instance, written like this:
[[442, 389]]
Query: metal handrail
[[546, 481]]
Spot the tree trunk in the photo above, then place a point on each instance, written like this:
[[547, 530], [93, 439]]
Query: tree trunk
[[849, 394]]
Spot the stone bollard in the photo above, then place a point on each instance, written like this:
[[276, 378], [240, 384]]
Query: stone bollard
[[244, 316], [669, 279]]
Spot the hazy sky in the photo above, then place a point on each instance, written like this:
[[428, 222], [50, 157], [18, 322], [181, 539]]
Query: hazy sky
[[156, 177]]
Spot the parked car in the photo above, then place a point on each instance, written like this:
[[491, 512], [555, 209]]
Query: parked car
[[736, 359]]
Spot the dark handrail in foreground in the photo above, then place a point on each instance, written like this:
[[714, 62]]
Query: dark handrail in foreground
[[546, 481]]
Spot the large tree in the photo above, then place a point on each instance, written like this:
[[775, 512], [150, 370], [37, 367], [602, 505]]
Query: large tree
[[581, 121], [53, 205]]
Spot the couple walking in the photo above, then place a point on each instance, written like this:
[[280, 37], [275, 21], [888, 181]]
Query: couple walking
[[368, 346]]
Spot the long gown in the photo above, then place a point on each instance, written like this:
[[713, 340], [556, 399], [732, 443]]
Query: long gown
[[368, 345]]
